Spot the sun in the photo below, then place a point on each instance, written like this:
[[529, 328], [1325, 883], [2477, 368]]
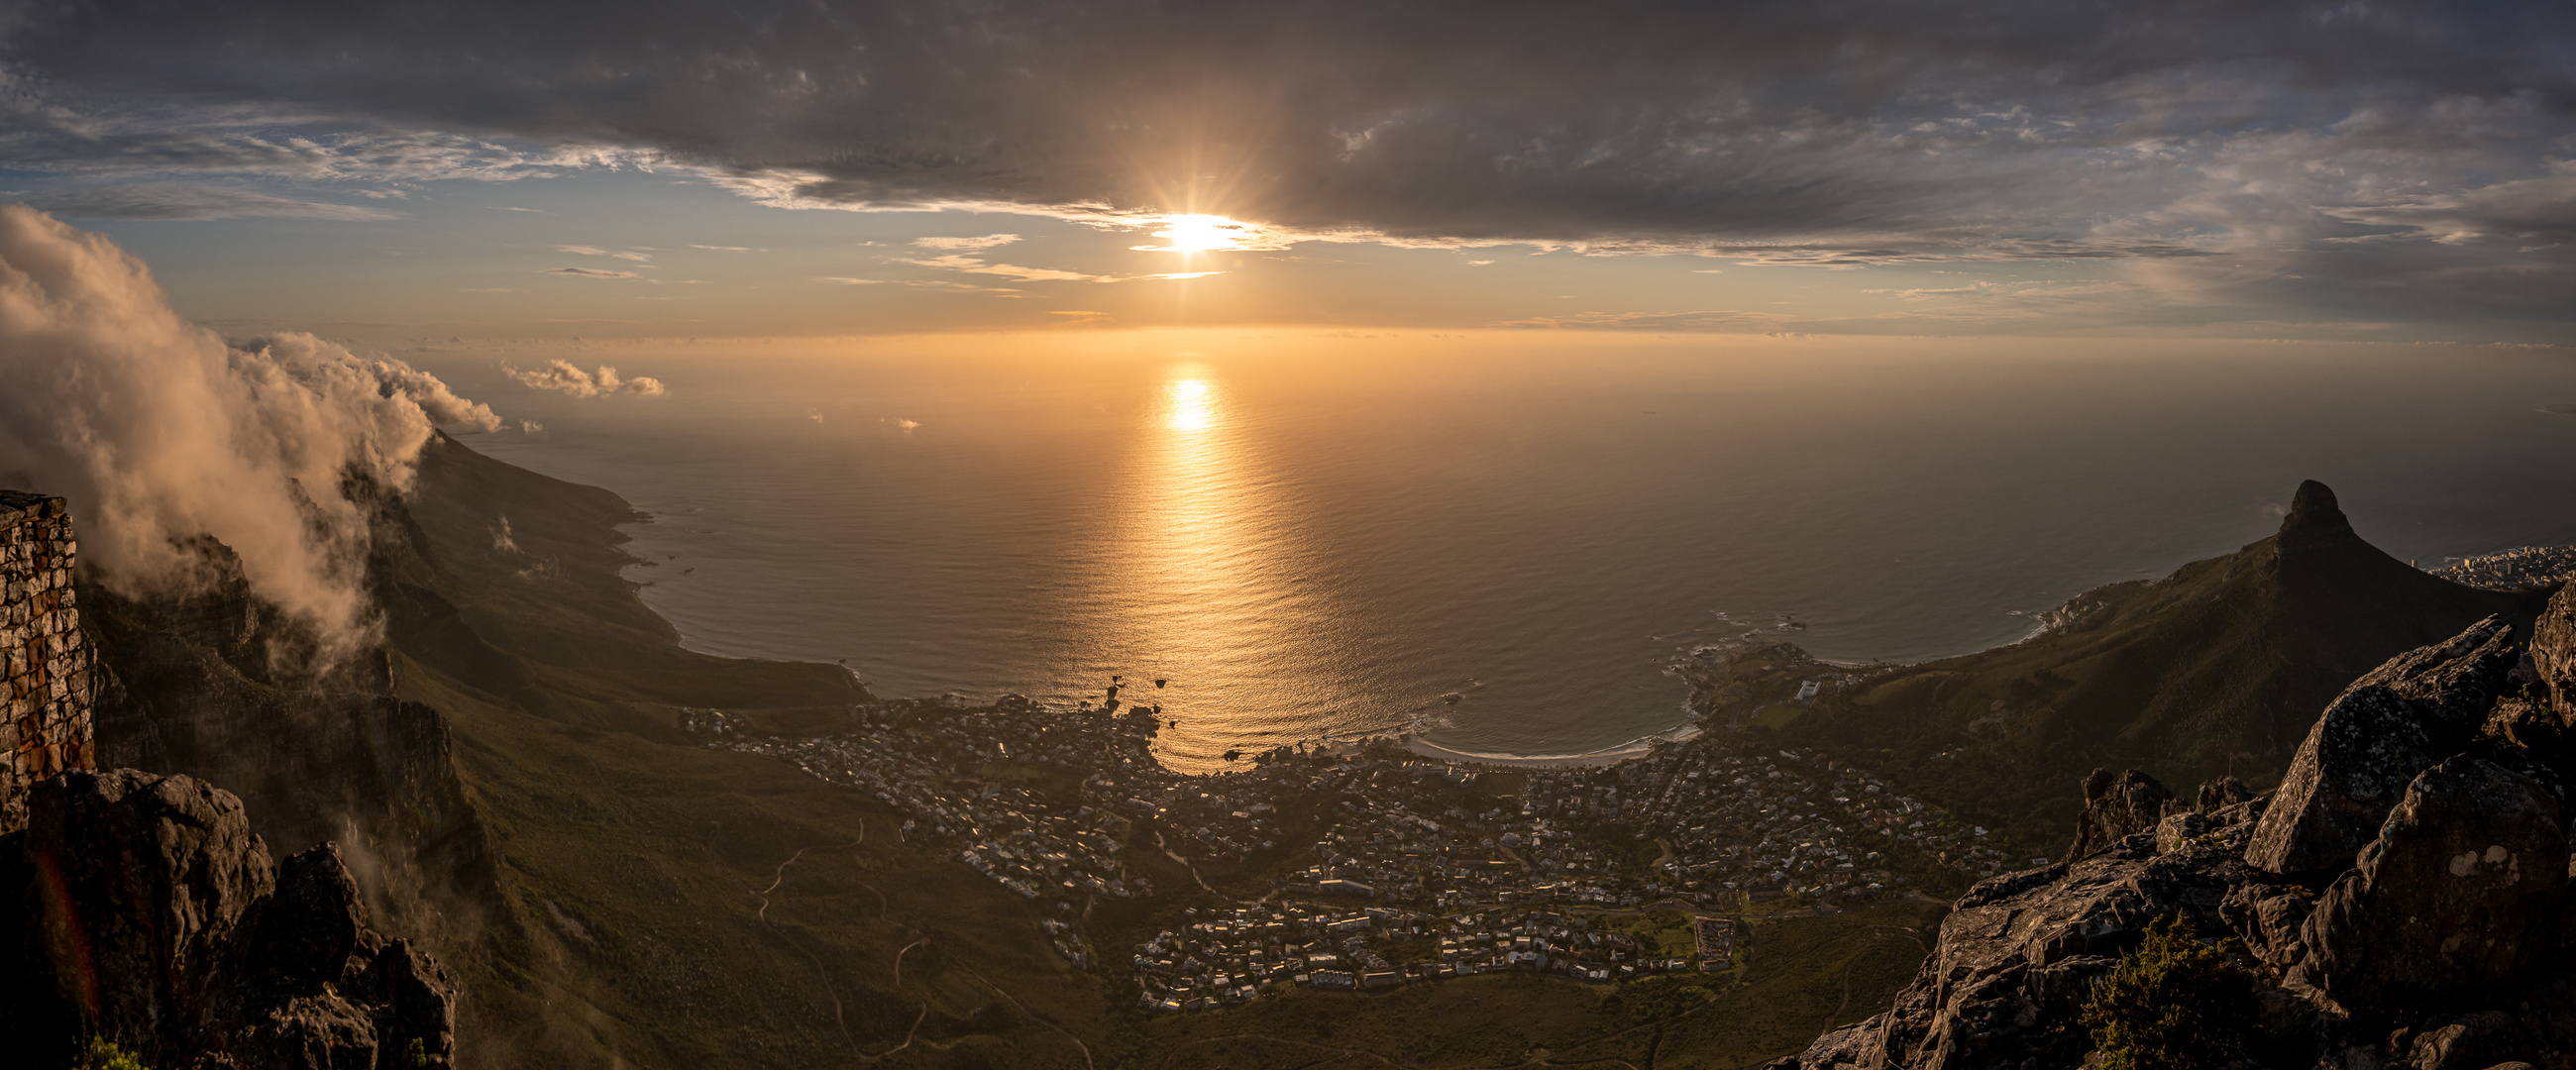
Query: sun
[[1199, 233]]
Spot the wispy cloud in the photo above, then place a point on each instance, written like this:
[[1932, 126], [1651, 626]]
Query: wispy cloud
[[971, 265], [592, 250], [590, 273], [986, 242], [188, 201]]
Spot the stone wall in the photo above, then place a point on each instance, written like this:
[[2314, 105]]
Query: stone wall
[[45, 665]]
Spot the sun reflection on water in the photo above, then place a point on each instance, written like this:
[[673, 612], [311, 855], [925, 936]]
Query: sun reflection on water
[[1192, 409], [1206, 554]]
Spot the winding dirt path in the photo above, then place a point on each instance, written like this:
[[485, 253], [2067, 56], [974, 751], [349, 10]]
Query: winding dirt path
[[840, 1015]]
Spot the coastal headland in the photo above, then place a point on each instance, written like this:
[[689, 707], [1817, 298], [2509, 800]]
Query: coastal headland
[[741, 848], [721, 862]]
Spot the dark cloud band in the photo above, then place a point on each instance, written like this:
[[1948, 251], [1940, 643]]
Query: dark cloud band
[[1802, 131]]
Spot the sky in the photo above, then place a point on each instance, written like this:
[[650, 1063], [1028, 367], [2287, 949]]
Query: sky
[[458, 170]]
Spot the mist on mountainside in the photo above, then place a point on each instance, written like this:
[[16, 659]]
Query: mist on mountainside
[[163, 434]]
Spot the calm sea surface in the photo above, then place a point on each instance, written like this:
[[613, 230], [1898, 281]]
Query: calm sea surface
[[1316, 535]]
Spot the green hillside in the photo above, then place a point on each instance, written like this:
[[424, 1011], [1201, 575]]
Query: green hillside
[[2217, 668], [663, 904]]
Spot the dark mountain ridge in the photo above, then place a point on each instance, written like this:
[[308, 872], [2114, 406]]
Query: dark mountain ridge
[[2216, 669], [2401, 900]]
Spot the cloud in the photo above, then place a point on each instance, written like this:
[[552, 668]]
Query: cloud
[[179, 201], [590, 273], [971, 265], [593, 250], [986, 242], [724, 248], [2359, 147], [848, 281], [564, 376], [161, 432]]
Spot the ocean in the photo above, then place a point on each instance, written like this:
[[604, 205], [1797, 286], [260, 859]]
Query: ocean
[[1496, 541]]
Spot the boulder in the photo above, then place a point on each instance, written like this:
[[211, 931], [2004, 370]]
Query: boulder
[[2459, 893], [312, 925], [2266, 919], [2348, 773], [151, 880], [2018, 956], [2116, 808], [2533, 727], [2219, 794], [152, 913], [2477, 1041], [2553, 651], [2454, 683], [2179, 829]]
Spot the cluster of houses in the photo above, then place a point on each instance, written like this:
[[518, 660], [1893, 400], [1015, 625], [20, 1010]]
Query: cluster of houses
[[948, 774], [1401, 868], [2520, 569], [1232, 955]]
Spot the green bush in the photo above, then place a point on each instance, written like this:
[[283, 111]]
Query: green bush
[[103, 1054], [2174, 1003]]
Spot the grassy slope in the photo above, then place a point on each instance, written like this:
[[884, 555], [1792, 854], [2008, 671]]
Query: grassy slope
[[632, 862], [2220, 667], [1800, 976], [635, 868]]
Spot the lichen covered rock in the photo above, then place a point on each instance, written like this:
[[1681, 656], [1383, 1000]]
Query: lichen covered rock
[[2353, 767], [2458, 893], [2453, 684], [2553, 650]]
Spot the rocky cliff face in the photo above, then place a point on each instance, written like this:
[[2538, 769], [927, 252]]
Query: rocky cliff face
[[2402, 900], [221, 686], [142, 908]]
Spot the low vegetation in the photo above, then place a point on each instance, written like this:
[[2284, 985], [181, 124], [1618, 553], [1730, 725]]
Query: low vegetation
[[2173, 1003]]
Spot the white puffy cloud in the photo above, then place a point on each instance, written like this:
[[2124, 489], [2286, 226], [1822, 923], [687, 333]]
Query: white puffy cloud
[[565, 377], [160, 432]]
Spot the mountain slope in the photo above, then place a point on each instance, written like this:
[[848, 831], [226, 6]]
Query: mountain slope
[[2218, 668]]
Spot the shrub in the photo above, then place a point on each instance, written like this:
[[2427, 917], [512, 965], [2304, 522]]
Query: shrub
[[2174, 1003], [103, 1054]]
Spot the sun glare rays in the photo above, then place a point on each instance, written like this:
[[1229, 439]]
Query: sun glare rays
[[1192, 233]]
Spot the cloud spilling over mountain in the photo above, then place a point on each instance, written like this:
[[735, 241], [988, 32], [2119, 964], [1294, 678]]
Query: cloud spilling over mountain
[[567, 377], [160, 432]]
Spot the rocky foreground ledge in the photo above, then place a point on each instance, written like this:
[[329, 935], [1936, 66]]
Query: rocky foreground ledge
[[140, 909], [2401, 900]]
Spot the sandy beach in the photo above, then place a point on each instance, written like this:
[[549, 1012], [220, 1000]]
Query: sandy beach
[[1614, 756]]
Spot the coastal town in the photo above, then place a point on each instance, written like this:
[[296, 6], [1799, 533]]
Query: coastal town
[[2520, 569], [1367, 865]]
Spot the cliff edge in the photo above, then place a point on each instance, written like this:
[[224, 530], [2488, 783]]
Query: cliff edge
[[140, 909], [2401, 900]]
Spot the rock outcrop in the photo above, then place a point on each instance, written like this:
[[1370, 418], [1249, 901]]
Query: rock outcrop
[[142, 908], [2345, 778], [2553, 652], [2116, 808], [2455, 684], [2458, 894], [2435, 945]]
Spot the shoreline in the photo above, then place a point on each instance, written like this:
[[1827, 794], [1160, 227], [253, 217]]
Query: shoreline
[[1587, 760]]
